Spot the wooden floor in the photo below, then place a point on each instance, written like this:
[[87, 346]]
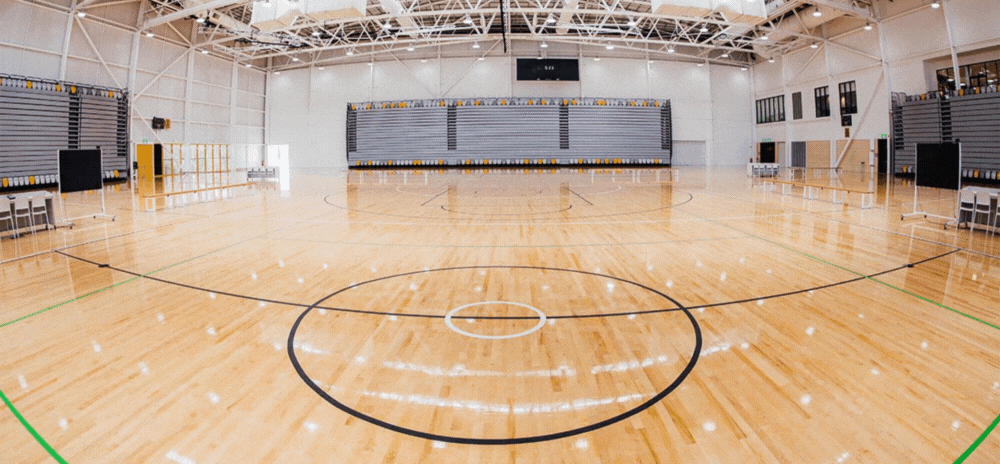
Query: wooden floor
[[508, 316]]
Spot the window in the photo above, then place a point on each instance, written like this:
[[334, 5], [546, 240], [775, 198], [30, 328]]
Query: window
[[771, 109], [974, 75], [822, 102], [848, 98], [797, 105]]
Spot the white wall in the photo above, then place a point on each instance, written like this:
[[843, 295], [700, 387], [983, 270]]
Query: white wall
[[915, 42], [308, 106], [208, 99]]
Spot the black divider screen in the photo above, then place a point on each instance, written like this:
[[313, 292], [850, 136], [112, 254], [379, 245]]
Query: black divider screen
[[80, 170], [938, 165]]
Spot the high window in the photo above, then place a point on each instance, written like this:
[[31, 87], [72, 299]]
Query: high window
[[848, 98], [771, 109], [822, 101]]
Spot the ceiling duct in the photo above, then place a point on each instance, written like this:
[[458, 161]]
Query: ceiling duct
[[274, 14], [736, 11]]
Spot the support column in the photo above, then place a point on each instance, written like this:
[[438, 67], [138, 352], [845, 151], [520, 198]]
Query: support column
[[951, 44], [66, 39]]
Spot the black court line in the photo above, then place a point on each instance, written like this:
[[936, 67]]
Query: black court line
[[689, 199], [432, 198], [506, 214], [499, 441], [438, 316], [581, 196]]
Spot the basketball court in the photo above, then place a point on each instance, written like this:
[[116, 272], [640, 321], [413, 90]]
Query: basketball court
[[360, 233]]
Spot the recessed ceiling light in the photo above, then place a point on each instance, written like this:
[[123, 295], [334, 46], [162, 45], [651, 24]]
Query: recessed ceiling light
[[868, 26], [81, 14], [150, 35], [817, 13], [544, 45], [936, 4]]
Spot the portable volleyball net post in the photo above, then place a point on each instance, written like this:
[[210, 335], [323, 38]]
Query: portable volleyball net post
[[942, 165], [80, 171]]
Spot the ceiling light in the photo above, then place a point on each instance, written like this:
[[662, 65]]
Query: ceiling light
[[204, 52], [322, 68], [609, 47], [765, 37], [409, 49], [650, 61], [544, 45], [316, 33], [467, 20], [81, 14], [868, 26], [743, 68], [770, 60], [632, 23], [350, 52], [704, 28], [277, 72], [475, 45], [701, 64], [481, 58], [295, 59], [814, 45], [149, 34], [248, 65], [597, 59], [936, 4], [371, 63], [725, 55], [200, 20], [670, 49], [817, 13], [551, 19], [423, 60], [387, 24]]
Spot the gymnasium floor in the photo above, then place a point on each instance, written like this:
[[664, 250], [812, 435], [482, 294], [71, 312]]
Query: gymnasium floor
[[585, 316]]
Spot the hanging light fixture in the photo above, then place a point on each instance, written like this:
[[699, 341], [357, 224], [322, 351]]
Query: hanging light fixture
[[935, 4], [544, 45], [868, 26], [467, 20]]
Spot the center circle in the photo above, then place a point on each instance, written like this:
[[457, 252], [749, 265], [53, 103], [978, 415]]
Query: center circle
[[364, 400], [451, 325]]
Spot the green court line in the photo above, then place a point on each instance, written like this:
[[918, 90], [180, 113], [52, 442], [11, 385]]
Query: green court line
[[40, 311], [978, 441], [972, 448], [52, 452]]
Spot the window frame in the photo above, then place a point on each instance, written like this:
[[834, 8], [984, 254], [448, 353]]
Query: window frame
[[822, 96], [848, 97]]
